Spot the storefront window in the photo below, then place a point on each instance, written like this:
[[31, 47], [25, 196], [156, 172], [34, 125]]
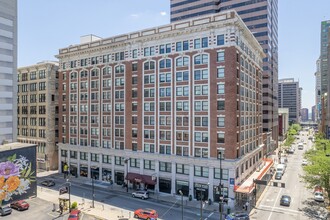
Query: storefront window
[[216, 193], [201, 191], [106, 175], [95, 173], [119, 178], [164, 185], [83, 170], [73, 169], [183, 186]]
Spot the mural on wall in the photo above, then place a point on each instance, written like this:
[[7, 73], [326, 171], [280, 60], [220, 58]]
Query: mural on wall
[[17, 176]]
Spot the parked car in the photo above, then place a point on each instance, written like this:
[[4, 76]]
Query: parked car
[[20, 205], [238, 216], [290, 150], [74, 215], [285, 200], [304, 162], [278, 175], [141, 194], [48, 183], [318, 196], [146, 214], [318, 188], [5, 210]]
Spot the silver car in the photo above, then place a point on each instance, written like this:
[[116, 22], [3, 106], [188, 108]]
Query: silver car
[[141, 194], [5, 210]]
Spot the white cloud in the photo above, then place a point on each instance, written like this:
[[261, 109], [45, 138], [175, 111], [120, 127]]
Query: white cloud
[[163, 13], [135, 15]]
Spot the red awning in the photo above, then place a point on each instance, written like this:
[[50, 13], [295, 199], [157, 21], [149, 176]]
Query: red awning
[[140, 178]]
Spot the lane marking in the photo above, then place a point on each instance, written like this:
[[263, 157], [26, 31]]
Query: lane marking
[[283, 209], [270, 215]]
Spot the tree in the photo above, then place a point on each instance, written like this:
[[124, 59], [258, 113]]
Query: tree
[[317, 172]]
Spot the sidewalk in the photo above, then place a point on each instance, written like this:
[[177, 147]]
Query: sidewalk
[[105, 211]]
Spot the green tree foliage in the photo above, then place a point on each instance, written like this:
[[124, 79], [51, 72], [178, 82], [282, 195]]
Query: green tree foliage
[[293, 130], [317, 172]]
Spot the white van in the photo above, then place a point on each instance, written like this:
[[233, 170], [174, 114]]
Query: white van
[[300, 146], [280, 168]]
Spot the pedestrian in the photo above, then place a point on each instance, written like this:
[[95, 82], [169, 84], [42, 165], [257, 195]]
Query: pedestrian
[[65, 170]]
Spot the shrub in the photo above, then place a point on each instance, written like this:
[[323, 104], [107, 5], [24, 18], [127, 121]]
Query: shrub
[[74, 205]]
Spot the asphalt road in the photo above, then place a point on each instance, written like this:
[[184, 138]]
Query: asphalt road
[[303, 206], [166, 210]]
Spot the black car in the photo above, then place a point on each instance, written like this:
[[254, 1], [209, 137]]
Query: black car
[[285, 200], [5, 210], [278, 176], [48, 183]]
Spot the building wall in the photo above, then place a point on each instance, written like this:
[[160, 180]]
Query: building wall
[[304, 114], [317, 90], [324, 55], [38, 110], [261, 17], [8, 65], [289, 97], [90, 143]]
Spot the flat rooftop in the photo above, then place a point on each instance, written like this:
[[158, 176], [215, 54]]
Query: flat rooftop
[[15, 145]]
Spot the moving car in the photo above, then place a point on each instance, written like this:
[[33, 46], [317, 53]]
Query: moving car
[[20, 205], [5, 210], [146, 214], [74, 215], [300, 146], [290, 150], [48, 183], [318, 196], [278, 175], [285, 200], [141, 194], [238, 216]]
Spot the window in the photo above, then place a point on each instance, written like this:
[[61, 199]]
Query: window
[[202, 90], [221, 138], [149, 148], [149, 65], [205, 42], [182, 106], [149, 93], [182, 151], [182, 76], [165, 135], [221, 56], [165, 48], [201, 59], [182, 169], [83, 156], [94, 157], [221, 121], [165, 106], [221, 72], [165, 63], [221, 105], [106, 159], [119, 56], [119, 160], [221, 89], [134, 162], [120, 69], [197, 43], [201, 152], [201, 121], [201, 136], [201, 74], [225, 174], [165, 149], [134, 53], [165, 167], [165, 77], [149, 51], [182, 61], [220, 40], [182, 91], [149, 164], [201, 171], [149, 79], [201, 105]]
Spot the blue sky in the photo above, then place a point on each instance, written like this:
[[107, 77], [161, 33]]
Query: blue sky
[[44, 26]]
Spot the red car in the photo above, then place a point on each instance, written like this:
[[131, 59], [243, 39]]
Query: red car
[[20, 205], [75, 215], [148, 214]]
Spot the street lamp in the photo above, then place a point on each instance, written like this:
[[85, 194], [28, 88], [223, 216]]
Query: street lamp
[[126, 162], [220, 186], [93, 193], [69, 191], [181, 203]]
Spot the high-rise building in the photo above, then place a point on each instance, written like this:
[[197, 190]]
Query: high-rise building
[[37, 111], [289, 96], [317, 90], [8, 66], [261, 17], [314, 113], [325, 25], [304, 114], [165, 107]]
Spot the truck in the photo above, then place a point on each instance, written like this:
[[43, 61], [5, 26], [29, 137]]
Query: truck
[[280, 168]]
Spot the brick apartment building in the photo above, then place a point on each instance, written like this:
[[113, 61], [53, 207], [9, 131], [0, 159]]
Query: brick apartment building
[[37, 111], [157, 106]]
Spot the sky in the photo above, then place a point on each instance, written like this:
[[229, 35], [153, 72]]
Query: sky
[[45, 26]]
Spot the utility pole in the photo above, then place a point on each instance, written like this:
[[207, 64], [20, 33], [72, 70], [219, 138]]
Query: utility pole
[[93, 193]]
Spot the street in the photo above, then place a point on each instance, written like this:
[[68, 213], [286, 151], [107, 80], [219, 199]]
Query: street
[[124, 201], [302, 205]]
